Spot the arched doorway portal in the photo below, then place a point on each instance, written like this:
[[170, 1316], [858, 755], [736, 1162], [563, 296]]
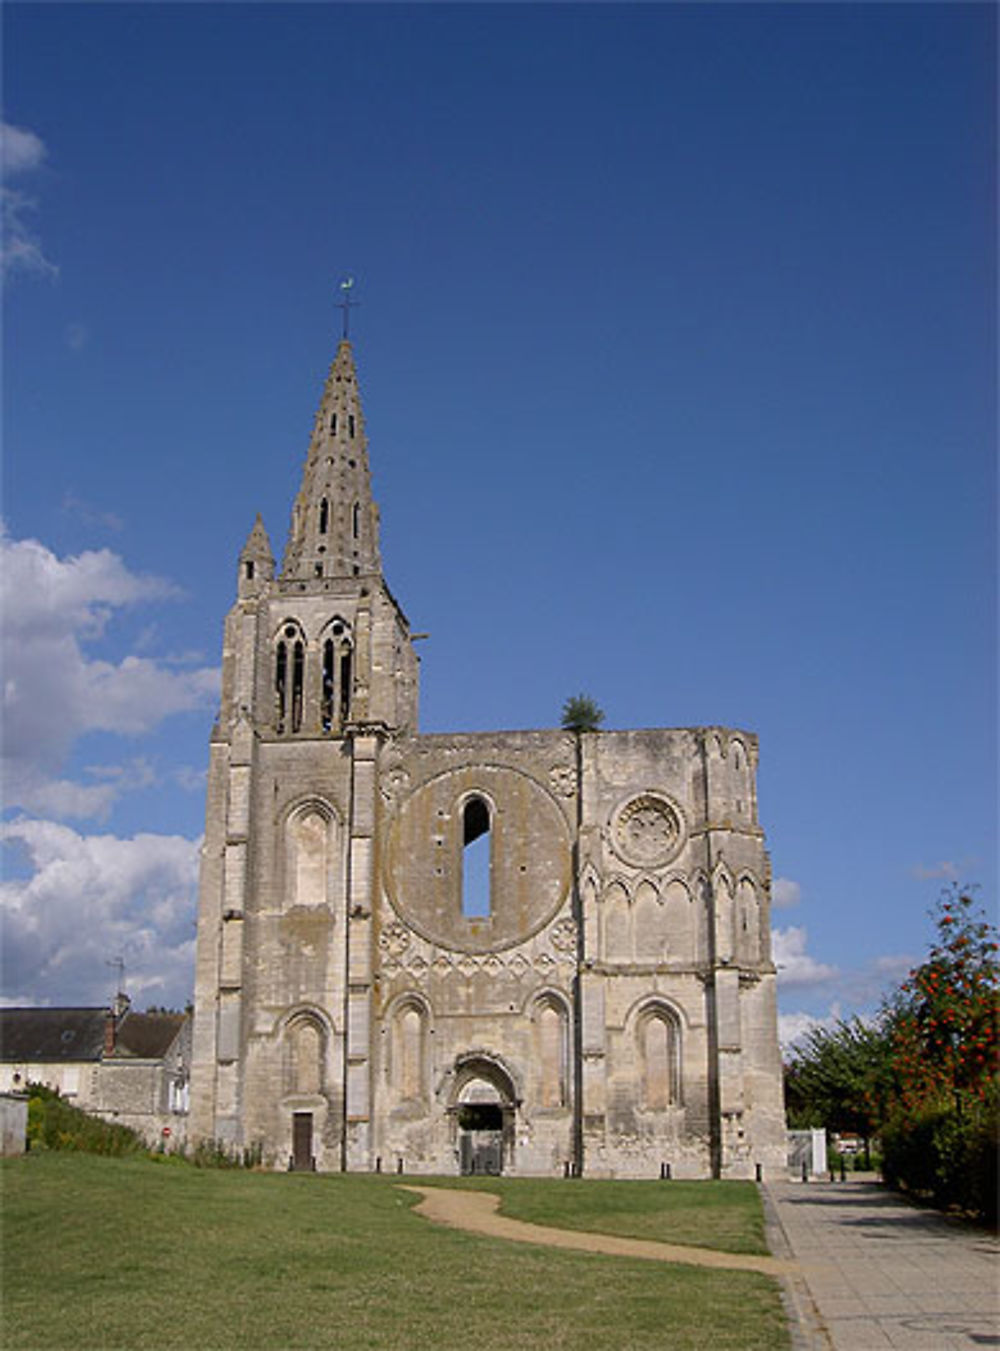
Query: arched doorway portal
[[483, 1107]]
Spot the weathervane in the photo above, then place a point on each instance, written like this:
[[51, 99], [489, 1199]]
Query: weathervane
[[347, 304]]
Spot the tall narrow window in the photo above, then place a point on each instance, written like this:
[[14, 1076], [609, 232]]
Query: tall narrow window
[[324, 516], [280, 685], [551, 1055], [350, 425], [249, 570], [355, 519], [410, 1053], [298, 668], [333, 422], [476, 859], [660, 1056], [326, 712], [345, 684]]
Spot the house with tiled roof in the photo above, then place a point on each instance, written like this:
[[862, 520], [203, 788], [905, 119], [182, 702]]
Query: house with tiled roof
[[122, 1065]]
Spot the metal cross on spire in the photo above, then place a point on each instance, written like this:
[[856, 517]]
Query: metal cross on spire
[[347, 304]]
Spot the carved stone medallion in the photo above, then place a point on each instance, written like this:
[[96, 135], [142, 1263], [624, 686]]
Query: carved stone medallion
[[394, 939], [647, 830], [564, 935]]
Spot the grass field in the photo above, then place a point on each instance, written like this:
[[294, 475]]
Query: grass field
[[727, 1216], [126, 1253]]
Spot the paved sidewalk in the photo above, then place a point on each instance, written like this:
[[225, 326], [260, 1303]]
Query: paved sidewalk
[[881, 1273]]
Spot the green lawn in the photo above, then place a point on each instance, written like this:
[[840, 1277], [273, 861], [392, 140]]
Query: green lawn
[[723, 1215], [126, 1253]]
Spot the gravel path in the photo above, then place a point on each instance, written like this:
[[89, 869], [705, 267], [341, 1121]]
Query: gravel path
[[477, 1213]]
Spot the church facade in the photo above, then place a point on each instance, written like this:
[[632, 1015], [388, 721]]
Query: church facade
[[537, 952]]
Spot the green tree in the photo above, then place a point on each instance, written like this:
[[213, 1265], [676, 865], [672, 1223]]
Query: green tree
[[940, 1126], [837, 1077], [945, 1015], [581, 714]]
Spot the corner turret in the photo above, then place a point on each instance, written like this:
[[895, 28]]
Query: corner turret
[[256, 567]]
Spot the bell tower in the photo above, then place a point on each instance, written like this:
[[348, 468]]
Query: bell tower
[[318, 672]]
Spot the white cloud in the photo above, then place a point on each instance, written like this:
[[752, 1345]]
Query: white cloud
[[77, 337], [20, 151], [792, 1027], [91, 898], [945, 871], [785, 893], [795, 966], [54, 692]]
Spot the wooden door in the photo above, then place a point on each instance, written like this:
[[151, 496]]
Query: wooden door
[[302, 1139]]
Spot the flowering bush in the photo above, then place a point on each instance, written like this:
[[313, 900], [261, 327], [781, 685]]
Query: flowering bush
[[939, 1131]]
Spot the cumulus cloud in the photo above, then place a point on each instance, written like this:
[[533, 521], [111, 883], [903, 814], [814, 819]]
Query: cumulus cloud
[[785, 893], [793, 1027], [91, 898], [55, 691], [21, 151], [795, 966]]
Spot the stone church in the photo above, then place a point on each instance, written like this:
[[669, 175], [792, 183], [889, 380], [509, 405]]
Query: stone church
[[536, 952]]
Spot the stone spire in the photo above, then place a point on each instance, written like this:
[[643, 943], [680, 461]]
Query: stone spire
[[256, 561], [334, 531]]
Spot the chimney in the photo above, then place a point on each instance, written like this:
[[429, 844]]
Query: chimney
[[112, 1018]]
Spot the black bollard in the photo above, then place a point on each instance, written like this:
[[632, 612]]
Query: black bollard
[[378, 1163], [566, 1168], [805, 1172], [664, 1172], [399, 1165], [843, 1170], [759, 1172]]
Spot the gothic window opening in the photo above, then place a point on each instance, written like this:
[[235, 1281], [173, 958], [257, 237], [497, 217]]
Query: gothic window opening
[[248, 569], [476, 842], [345, 684], [306, 1049], [550, 1032], [298, 672], [333, 422], [324, 516], [350, 425], [280, 686], [355, 519], [659, 1045], [326, 709], [408, 1058]]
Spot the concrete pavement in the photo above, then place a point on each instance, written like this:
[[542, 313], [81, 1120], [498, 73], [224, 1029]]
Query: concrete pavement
[[878, 1273]]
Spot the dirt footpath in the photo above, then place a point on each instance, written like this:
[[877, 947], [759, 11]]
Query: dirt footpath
[[477, 1212]]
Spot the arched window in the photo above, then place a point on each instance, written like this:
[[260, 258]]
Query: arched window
[[298, 675], [326, 710], [408, 1052], [324, 516], [304, 1042], [350, 425], [308, 857], [336, 707], [289, 678], [333, 422], [551, 1056], [659, 1051], [476, 833], [355, 519], [280, 686]]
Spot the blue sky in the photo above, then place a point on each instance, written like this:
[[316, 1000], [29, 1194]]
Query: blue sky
[[677, 345]]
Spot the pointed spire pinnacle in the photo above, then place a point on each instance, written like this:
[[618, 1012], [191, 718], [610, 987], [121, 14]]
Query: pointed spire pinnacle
[[258, 546], [256, 560], [334, 531]]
